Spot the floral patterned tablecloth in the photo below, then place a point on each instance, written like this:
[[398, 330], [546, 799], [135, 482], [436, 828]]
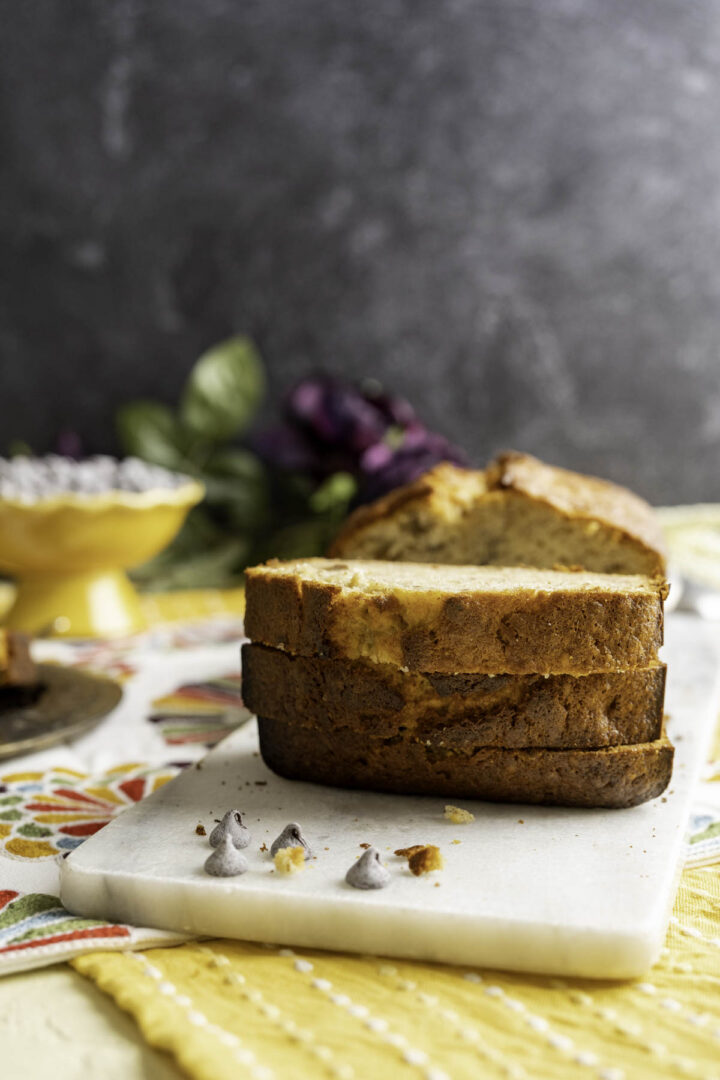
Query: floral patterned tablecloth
[[181, 695]]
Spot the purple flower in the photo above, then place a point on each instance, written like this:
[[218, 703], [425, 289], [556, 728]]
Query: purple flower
[[332, 425], [339, 414], [384, 468], [69, 444]]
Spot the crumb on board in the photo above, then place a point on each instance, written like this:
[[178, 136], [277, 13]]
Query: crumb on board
[[406, 852], [365, 845], [458, 816], [289, 860], [426, 860], [200, 829]]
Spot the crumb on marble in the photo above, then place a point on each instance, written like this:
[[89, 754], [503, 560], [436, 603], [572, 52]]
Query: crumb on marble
[[458, 816], [263, 846], [426, 860], [365, 845], [289, 860], [200, 829], [457, 841], [407, 852]]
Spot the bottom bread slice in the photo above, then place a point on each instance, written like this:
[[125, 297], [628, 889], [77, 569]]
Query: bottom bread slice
[[612, 777]]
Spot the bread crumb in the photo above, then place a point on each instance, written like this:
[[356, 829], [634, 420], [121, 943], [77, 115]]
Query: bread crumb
[[263, 847], [521, 821], [458, 816], [406, 852], [366, 846], [200, 829], [289, 860], [426, 860], [457, 841]]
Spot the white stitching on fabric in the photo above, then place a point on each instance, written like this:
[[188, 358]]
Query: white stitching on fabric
[[541, 1026], [273, 1013], [242, 1054], [633, 1031], [380, 1026], [693, 932]]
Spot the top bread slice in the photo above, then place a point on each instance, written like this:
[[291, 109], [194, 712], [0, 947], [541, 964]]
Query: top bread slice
[[517, 512], [449, 619]]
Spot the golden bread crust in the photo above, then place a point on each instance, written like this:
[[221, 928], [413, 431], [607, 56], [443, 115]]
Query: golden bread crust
[[577, 495], [612, 777], [448, 512], [456, 619], [454, 711]]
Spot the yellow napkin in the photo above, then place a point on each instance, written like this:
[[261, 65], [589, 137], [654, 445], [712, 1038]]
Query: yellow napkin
[[228, 1009]]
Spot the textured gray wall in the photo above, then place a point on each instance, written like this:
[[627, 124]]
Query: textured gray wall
[[509, 210]]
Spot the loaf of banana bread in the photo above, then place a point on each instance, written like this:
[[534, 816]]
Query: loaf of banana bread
[[518, 511]]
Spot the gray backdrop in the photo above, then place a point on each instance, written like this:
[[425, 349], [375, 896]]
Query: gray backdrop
[[508, 210]]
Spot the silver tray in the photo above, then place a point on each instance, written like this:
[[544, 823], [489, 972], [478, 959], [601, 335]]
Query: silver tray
[[70, 703]]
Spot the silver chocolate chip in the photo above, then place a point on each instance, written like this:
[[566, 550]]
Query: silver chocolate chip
[[232, 825], [368, 872], [291, 836], [226, 860]]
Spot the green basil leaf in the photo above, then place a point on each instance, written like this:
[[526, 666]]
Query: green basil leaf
[[224, 390]]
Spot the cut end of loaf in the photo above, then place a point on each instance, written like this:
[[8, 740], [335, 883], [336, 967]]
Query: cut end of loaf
[[376, 576]]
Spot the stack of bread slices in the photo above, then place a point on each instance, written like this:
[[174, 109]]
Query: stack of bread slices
[[514, 683]]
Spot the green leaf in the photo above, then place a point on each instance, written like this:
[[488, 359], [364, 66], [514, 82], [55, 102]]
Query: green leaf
[[303, 539], [237, 489], [19, 448], [235, 462], [334, 494], [215, 568], [150, 431], [224, 390]]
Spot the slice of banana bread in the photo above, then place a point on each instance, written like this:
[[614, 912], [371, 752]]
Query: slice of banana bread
[[456, 710], [450, 619], [613, 777], [518, 511]]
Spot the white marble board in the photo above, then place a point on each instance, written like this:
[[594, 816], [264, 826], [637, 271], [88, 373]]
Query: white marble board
[[541, 889]]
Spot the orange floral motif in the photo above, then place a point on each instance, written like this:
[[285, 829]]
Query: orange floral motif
[[44, 814]]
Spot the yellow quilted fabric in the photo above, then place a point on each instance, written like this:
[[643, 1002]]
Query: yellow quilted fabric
[[228, 1009]]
